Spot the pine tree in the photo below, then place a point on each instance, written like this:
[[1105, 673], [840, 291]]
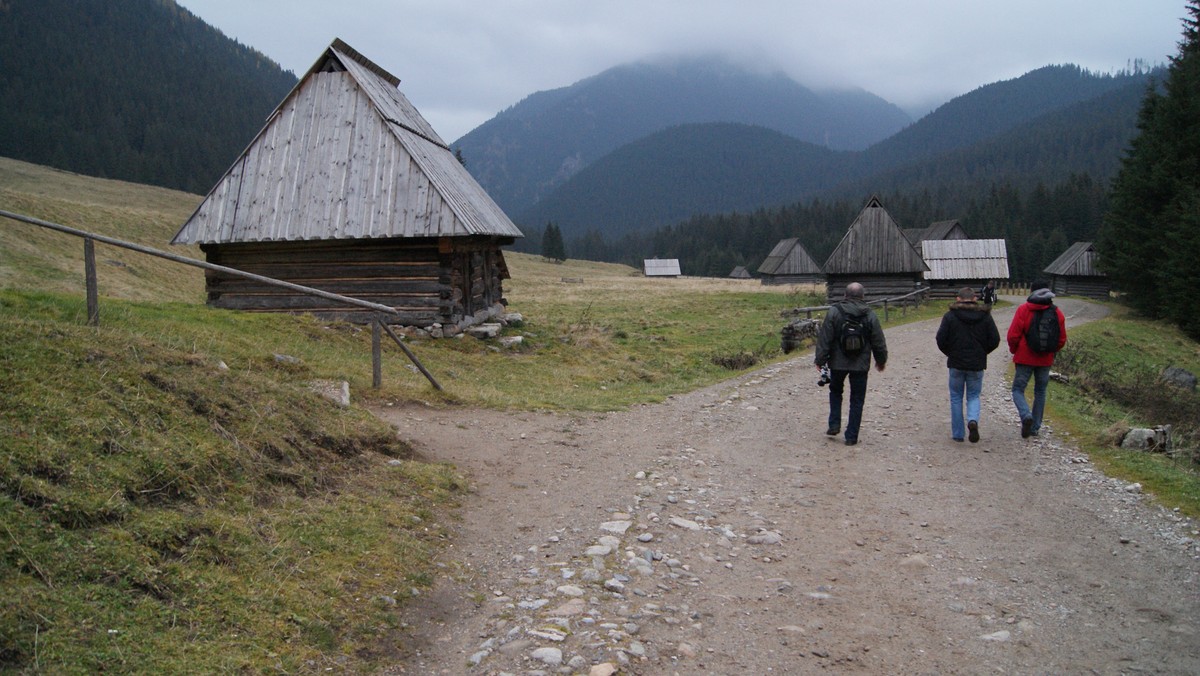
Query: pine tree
[[1150, 241], [552, 244]]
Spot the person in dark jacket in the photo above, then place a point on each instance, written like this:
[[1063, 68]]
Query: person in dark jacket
[[843, 366], [988, 293], [1030, 363], [967, 336]]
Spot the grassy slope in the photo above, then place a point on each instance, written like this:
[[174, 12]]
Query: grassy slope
[[152, 499]]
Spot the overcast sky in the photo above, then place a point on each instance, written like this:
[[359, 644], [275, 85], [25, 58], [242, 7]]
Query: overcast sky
[[462, 61]]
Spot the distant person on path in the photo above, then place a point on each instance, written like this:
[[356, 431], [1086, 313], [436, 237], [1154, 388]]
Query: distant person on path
[[988, 293], [967, 336], [1037, 332], [848, 338]]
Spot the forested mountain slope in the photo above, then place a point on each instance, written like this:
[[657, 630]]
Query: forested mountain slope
[[137, 90]]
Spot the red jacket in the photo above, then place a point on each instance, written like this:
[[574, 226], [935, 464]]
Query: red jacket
[[1020, 324]]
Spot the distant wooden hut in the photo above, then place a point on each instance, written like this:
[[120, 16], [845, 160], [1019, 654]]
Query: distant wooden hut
[[1075, 273], [661, 267], [937, 230], [348, 189], [955, 263], [789, 263], [740, 272], [875, 253]]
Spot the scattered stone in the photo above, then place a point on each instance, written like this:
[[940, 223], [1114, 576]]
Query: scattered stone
[[686, 524], [1179, 377], [286, 359], [618, 527], [550, 656], [1001, 636], [570, 590], [485, 331], [603, 669], [337, 391], [765, 537]]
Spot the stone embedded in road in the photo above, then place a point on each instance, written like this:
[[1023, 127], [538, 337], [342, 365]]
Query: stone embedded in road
[[686, 524], [550, 656], [618, 527]]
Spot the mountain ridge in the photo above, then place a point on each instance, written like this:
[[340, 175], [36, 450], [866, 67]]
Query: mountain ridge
[[527, 150]]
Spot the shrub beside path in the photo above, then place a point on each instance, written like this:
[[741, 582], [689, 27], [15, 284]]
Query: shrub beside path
[[721, 532]]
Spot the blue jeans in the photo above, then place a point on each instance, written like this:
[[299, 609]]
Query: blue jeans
[[971, 383], [1041, 377], [858, 395]]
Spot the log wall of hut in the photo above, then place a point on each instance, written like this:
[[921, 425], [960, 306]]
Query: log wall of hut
[[776, 280], [877, 287], [1086, 286], [428, 280], [948, 288]]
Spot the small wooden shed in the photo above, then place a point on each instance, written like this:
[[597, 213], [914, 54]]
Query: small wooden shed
[[1075, 273], [348, 189], [955, 263], [740, 272], [789, 263], [875, 253], [661, 267]]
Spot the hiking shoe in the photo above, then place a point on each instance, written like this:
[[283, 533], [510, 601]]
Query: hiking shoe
[[851, 442], [958, 439], [833, 431], [973, 428], [1026, 428]]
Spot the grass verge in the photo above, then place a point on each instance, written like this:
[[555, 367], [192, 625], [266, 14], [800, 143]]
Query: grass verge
[[163, 513], [1114, 366]]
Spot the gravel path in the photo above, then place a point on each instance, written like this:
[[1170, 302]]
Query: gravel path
[[721, 532]]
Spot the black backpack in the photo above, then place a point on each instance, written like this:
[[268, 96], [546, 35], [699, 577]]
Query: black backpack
[[854, 336], [1043, 333]]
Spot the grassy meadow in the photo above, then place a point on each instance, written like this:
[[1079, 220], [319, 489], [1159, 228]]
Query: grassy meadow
[[174, 497]]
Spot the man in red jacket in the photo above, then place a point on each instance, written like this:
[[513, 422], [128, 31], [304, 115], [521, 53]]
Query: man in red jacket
[[1030, 362]]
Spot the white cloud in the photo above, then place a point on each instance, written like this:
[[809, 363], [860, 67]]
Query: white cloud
[[462, 61]]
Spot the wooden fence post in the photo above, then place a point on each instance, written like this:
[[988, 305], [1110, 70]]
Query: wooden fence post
[[89, 275], [376, 354]]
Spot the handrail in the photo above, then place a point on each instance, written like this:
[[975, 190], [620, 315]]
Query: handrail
[[89, 237]]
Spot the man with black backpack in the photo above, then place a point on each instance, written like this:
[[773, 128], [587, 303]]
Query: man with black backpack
[[848, 338], [1037, 332]]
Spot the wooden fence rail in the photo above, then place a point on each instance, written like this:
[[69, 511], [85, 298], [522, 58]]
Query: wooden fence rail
[[93, 303], [920, 295]]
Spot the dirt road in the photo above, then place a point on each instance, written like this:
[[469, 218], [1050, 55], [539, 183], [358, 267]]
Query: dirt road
[[722, 532]]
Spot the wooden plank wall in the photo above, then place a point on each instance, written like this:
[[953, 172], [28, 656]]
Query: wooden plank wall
[[1088, 287], [877, 286], [426, 282]]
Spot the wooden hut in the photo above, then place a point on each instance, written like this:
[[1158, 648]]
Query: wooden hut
[[1075, 273], [875, 253], [789, 263], [937, 230], [661, 267], [740, 272], [955, 263], [348, 189]]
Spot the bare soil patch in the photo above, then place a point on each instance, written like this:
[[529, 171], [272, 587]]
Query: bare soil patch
[[909, 553]]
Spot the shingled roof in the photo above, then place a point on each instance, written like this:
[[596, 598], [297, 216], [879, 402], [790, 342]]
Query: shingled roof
[[1078, 261], [874, 244], [789, 258], [345, 156]]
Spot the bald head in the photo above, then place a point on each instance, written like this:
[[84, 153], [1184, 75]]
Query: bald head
[[854, 290]]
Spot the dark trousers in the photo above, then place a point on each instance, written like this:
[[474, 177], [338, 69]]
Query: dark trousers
[[858, 395]]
